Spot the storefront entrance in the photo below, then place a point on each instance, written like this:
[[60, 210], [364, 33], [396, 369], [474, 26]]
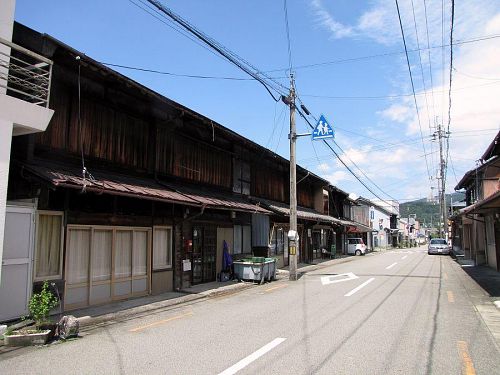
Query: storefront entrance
[[204, 254]]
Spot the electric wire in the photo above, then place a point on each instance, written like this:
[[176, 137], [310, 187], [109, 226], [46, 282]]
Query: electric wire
[[180, 75], [161, 17], [383, 97], [340, 159], [267, 82], [474, 76], [449, 92], [413, 90], [288, 36], [423, 77], [430, 59], [367, 57]]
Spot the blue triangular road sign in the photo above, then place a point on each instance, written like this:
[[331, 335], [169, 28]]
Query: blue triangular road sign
[[323, 129]]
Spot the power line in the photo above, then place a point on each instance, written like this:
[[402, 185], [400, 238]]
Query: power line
[[383, 97], [340, 159], [181, 75], [288, 35], [267, 82], [367, 57], [161, 17], [362, 172], [474, 76], [430, 60], [451, 77], [423, 77], [413, 90]]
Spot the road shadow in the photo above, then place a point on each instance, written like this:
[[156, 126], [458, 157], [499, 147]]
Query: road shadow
[[486, 277]]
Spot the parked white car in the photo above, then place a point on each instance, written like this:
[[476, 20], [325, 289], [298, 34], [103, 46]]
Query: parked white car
[[356, 246]]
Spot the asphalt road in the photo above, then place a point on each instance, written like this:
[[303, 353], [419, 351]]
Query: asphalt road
[[396, 312]]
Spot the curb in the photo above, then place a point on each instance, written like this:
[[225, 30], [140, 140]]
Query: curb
[[88, 321]]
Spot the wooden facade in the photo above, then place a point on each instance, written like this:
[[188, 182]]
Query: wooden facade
[[119, 127]]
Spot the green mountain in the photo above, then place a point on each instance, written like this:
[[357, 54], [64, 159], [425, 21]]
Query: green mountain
[[427, 211]]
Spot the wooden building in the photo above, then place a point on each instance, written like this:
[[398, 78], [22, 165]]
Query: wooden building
[[475, 229], [135, 194]]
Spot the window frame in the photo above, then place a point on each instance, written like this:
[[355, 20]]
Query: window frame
[[61, 245], [167, 267]]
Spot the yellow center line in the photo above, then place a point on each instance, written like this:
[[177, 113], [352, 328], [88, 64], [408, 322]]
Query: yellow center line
[[467, 364], [451, 297], [161, 322], [276, 287]]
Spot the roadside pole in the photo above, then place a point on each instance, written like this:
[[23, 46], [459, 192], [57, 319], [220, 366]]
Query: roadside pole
[[293, 243]]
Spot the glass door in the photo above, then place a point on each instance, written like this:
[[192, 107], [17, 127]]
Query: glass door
[[197, 259], [209, 254]]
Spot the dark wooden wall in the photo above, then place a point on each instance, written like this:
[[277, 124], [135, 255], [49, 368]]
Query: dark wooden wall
[[124, 129]]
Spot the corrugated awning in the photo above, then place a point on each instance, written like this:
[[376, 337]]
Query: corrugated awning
[[302, 212], [104, 182], [490, 203], [355, 227]]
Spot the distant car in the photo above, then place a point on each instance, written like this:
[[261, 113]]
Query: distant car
[[356, 246], [438, 246]]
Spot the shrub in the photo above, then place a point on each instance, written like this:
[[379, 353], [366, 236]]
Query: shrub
[[40, 305]]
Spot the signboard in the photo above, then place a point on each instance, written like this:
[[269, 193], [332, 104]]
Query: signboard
[[323, 130], [186, 265]]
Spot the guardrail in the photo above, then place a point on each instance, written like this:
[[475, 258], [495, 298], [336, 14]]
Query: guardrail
[[25, 74]]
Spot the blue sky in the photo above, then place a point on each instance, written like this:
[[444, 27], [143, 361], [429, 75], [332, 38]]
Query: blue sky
[[380, 135]]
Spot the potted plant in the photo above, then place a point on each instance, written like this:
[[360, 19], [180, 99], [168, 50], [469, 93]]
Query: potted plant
[[39, 307]]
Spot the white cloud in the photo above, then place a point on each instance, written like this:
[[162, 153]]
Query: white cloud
[[327, 20], [338, 176], [475, 105], [397, 112], [323, 167]]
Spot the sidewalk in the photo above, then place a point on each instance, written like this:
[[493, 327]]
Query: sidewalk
[[122, 310], [136, 307], [482, 284], [127, 309]]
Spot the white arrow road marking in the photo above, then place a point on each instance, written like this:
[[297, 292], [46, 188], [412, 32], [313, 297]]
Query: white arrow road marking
[[325, 280], [359, 287], [392, 265], [252, 357]]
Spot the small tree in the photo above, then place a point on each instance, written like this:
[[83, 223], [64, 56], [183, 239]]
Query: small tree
[[40, 305]]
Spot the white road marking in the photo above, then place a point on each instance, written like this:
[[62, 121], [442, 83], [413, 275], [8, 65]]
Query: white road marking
[[392, 265], [252, 357], [406, 256], [325, 280], [359, 287]]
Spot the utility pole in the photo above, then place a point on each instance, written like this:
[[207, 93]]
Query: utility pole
[[292, 234], [442, 183]]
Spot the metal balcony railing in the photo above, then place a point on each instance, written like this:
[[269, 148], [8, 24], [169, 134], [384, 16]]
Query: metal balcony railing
[[25, 74]]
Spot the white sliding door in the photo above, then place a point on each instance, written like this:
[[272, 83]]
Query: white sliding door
[[105, 264]]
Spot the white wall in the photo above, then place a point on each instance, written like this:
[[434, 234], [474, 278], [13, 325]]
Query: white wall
[[380, 216], [16, 117], [6, 24]]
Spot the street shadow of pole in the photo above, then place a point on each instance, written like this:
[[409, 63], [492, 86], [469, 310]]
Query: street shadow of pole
[[434, 326], [305, 328], [354, 331], [393, 350], [119, 357]]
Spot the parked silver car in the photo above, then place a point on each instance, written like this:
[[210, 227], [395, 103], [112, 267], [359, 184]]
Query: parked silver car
[[438, 246]]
